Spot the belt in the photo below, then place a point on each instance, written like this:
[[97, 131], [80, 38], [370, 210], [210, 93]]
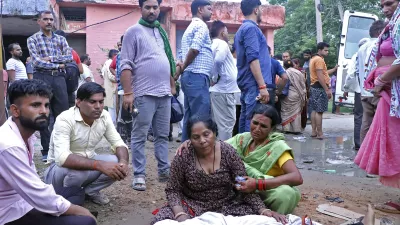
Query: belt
[[51, 72]]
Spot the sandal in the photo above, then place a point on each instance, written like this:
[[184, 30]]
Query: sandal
[[139, 183], [389, 207]]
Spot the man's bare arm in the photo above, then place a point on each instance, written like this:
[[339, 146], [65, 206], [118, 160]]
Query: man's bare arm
[[321, 79], [256, 70]]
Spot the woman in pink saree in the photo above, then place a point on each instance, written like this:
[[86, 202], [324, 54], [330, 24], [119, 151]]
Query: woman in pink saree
[[379, 152]]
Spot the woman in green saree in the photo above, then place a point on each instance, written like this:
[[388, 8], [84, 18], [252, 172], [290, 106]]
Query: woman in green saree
[[268, 160]]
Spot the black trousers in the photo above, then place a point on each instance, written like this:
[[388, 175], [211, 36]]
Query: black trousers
[[58, 103], [76, 195]]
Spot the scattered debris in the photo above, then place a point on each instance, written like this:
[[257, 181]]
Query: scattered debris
[[330, 171], [308, 160], [301, 139], [316, 196], [339, 161], [334, 199]]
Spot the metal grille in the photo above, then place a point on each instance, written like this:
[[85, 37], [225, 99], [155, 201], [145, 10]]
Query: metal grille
[[74, 14]]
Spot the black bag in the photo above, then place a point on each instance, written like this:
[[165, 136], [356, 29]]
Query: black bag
[[71, 76], [176, 110]]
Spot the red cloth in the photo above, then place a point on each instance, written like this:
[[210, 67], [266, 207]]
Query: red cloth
[[76, 58], [114, 63]]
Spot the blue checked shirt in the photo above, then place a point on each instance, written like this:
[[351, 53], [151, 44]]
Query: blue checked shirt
[[197, 36], [55, 47]]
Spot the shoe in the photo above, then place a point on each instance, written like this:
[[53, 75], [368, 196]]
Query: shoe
[[44, 158], [150, 138], [99, 199], [163, 177]]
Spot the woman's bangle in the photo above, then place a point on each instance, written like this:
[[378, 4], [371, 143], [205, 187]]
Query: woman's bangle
[[180, 214], [265, 210], [262, 87], [129, 93]]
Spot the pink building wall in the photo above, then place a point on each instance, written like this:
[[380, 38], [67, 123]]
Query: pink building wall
[[105, 36]]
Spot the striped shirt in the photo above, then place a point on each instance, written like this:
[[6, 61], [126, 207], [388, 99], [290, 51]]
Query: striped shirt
[[197, 36], [55, 47], [143, 53]]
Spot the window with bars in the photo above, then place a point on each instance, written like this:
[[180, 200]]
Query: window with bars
[[74, 14]]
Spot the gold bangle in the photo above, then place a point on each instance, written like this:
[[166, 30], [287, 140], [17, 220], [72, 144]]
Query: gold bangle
[[264, 211], [129, 93], [123, 160]]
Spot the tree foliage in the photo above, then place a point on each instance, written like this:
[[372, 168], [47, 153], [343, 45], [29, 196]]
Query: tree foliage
[[299, 32]]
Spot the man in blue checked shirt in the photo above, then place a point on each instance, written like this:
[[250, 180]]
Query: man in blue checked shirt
[[50, 52], [196, 63], [253, 62]]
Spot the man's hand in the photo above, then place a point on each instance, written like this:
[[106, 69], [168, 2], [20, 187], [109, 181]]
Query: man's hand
[[76, 210], [128, 102], [173, 90], [124, 167], [336, 67], [345, 94], [329, 93], [61, 66], [47, 59], [263, 97], [377, 91], [112, 169], [183, 147], [248, 186], [179, 70]]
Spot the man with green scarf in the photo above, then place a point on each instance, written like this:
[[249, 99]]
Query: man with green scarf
[[147, 66]]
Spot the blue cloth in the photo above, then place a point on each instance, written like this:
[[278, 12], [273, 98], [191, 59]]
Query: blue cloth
[[118, 77], [197, 36], [248, 103], [277, 69], [29, 67], [197, 103], [250, 44]]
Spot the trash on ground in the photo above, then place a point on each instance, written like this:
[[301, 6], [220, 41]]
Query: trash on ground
[[330, 171], [334, 199], [301, 139], [339, 161], [308, 160]]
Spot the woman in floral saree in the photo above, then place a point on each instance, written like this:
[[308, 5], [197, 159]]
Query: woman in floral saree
[[379, 152]]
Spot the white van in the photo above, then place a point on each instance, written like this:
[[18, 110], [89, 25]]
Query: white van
[[354, 28]]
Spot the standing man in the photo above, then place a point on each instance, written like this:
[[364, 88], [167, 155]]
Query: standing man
[[253, 62], [15, 67], [50, 52], [147, 67], [196, 63], [224, 86], [24, 198], [29, 68], [306, 70], [110, 84], [364, 102], [286, 56], [87, 75], [320, 90]]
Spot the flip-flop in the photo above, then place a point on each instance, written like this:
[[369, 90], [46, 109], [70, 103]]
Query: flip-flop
[[139, 183], [388, 207], [313, 136], [320, 137]]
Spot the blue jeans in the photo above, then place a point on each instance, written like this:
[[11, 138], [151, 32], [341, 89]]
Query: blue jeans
[[197, 103], [154, 112], [248, 102]]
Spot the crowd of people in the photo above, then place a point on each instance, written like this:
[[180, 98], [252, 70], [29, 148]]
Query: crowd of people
[[249, 173]]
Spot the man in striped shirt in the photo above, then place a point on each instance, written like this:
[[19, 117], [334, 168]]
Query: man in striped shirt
[[196, 63], [50, 52]]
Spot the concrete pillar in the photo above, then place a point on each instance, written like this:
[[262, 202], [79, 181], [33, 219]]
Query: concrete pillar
[[269, 35]]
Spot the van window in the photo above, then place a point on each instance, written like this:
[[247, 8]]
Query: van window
[[358, 28]]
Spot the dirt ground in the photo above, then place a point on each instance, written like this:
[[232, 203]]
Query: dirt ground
[[128, 206]]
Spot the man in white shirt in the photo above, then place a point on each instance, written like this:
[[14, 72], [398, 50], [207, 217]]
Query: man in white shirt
[[364, 102], [72, 155], [15, 67], [224, 86], [87, 75]]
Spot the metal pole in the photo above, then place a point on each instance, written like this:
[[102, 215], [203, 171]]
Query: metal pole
[[318, 21]]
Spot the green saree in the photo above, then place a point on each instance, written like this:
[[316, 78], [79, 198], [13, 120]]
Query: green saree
[[258, 163]]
